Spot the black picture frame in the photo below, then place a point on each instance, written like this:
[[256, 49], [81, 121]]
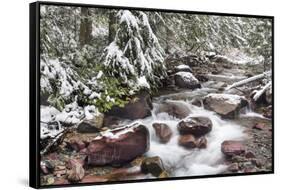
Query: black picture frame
[[34, 92]]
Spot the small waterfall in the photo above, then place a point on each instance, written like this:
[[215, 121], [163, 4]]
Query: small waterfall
[[187, 162]]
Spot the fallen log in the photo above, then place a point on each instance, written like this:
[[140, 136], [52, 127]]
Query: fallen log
[[248, 80]]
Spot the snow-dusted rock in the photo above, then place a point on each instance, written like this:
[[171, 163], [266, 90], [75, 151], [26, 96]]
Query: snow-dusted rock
[[196, 126], [92, 122], [186, 80], [118, 146], [226, 105], [183, 68]]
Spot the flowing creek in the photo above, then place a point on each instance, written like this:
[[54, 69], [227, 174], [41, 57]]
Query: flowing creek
[[180, 161]]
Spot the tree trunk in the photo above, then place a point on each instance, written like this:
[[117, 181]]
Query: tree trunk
[[85, 27], [112, 26], [169, 35]]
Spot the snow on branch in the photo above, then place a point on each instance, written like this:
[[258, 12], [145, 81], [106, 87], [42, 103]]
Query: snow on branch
[[248, 80], [260, 92]]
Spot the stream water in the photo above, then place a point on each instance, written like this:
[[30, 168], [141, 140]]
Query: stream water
[[180, 161]]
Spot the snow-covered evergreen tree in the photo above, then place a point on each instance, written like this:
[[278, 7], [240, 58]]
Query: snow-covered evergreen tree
[[135, 56]]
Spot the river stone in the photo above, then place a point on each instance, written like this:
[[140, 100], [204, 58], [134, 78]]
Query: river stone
[[153, 165], [201, 142], [118, 146], [187, 141], [162, 131], [226, 105], [139, 107], [196, 126], [232, 148], [174, 108], [76, 172], [186, 80]]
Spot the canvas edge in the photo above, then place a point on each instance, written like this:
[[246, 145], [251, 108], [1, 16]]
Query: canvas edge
[[34, 96]]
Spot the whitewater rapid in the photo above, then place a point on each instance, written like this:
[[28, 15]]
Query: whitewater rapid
[[179, 161]]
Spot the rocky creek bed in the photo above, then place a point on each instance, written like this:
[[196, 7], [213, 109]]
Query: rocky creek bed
[[193, 126]]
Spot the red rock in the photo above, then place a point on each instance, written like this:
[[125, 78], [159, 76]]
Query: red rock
[[163, 132], [118, 146], [196, 126], [259, 126], [231, 148], [201, 142], [187, 141]]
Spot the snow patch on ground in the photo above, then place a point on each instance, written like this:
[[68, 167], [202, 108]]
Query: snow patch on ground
[[112, 134], [53, 121]]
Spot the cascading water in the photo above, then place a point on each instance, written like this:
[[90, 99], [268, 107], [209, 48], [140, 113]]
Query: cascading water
[[180, 161]]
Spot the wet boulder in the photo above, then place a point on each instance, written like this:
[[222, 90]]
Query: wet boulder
[[186, 80], [226, 105], [196, 126], [118, 146], [201, 142], [187, 141], [139, 107], [163, 132], [232, 148], [153, 165], [174, 108]]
